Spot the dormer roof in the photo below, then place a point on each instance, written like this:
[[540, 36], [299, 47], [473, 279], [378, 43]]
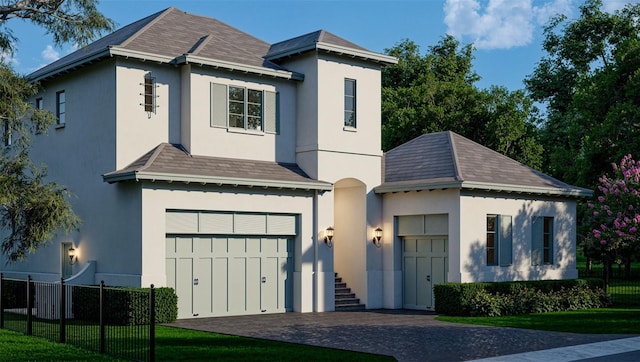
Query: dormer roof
[[324, 41], [447, 160]]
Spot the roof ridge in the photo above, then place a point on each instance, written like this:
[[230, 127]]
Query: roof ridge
[[200, 44], [161, 14], [156, 152], [454, 155]]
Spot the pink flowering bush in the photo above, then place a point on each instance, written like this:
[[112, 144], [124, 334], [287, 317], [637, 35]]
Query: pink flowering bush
[[616, 212]]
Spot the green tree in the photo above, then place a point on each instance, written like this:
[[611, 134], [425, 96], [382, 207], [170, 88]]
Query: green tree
[[588, 82], [437, 92], [33, 209]]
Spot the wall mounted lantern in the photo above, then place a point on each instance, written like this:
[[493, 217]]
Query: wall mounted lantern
[[73, 257], [328, 236], [377, 236]]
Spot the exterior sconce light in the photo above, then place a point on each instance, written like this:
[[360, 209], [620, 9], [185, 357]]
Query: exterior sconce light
[[73, 258], [328, 236], [377, 235]]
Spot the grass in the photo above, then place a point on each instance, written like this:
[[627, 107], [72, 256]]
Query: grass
[[591, 321], [171, 344]]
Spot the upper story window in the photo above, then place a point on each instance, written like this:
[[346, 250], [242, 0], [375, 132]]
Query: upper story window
[[499, 238], [542, 240], [350, 103], [39, 103], [241, 108], [61, 108], [149, 95]]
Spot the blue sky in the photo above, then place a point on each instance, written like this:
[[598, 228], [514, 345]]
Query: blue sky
[[507, 34]]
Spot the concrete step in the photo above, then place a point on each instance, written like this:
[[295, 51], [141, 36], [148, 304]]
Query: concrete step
[[341, 285], [347, 301], [350, 307], [345, 295]]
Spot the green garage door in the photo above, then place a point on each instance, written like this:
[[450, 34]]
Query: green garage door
[[424, 263], [221, 276]]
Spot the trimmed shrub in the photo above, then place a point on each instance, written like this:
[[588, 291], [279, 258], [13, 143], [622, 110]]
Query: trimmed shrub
[[124, 306], [511, 298]]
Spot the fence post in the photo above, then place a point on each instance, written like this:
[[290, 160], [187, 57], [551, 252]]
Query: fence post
[[29, 307], [102, 335], [152, 324], [1, 306], [63, 311]]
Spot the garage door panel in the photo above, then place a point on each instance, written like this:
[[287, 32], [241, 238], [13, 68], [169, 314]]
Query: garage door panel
[[184, 280], [184, 246], [270, 288], [220, 246], [237, 285], [410, 285], [253, 285], [253, 246], [203, 298], [425, 263], [237, 246], [202, 246], [220, 281]]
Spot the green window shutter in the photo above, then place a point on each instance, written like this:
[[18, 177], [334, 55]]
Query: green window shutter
[[551, 239], [271, 112], [505, 248], [218, 105], [537, 232]]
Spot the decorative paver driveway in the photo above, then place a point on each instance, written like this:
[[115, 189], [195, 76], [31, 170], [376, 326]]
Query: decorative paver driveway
[[405, 335]]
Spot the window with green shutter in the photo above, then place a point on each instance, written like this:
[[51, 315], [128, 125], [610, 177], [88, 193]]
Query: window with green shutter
[[542, 240], [499, 245], [235, 107]]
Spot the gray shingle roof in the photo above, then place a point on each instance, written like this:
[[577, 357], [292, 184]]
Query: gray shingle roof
[[171, 34], [448, 160], [170, 162]]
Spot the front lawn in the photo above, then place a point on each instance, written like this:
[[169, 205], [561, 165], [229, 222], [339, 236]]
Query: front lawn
[[173, 344], [591, 321]]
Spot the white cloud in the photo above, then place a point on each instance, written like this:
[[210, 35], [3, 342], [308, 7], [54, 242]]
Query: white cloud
[[499, 24], [49, 54], [611, 6], [9, 58]]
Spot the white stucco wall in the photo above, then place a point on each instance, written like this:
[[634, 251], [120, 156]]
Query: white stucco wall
[[474, 210], [77, 155], [159, 197], [467, 236]]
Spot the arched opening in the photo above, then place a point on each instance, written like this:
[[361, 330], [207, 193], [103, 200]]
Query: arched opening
[[350, 223]]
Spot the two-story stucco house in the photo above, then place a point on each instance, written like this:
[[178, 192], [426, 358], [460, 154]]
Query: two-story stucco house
[[245, 174]]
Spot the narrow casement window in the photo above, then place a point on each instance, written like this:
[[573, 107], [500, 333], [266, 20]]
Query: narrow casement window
[[350, 103], [39, 103], [499, 240], [254, 109], [236, 107], [542, 241], [149, 95], [61, 107]]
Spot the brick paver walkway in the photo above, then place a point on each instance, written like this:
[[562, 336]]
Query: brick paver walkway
[[405, 335]]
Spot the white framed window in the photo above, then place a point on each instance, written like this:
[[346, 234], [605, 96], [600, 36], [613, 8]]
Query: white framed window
[[39, 103], [350, 103], [241, 108], [61, 108], [542, 240], [499, 240]]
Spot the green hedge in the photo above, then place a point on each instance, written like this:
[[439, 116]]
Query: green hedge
[[124, 306], [14, 293], [501, 298]]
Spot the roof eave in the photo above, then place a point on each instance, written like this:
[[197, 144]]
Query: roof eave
[[188, 58], [215, 180], [537, 190], [336, 49], [391, 188]]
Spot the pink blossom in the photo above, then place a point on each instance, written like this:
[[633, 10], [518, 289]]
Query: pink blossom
[[630, 207], [632, 230], [603, 242], [601, 198], [595, 213], [591, 206], [609, 212]]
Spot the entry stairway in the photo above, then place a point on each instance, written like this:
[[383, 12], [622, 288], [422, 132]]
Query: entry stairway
[[344, 299]]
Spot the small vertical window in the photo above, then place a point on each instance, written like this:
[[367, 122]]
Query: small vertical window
[[254, 109], [492, 250], [350, 103], [542, 241], [39, 103], [61, 107], [499, 240], [149, 95]]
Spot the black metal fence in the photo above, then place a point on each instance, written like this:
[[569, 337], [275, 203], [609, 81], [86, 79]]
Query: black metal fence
[[111, 320], [624, 288]]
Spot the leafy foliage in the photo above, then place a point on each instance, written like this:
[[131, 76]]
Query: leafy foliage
[[588, 82], [436, 92], [77, 21]]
